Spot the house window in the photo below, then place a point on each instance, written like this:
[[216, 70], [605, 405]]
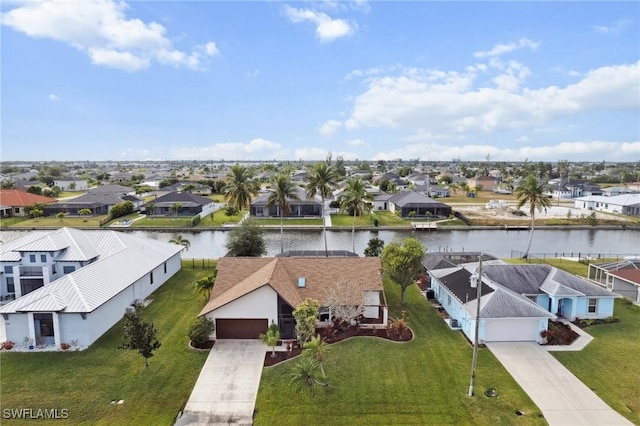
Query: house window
[[151, 277], [533, 298], [448, 299], [16, 210], [68, 269], [11, 288], [593, 306], [8, 269], [32, 258], [43, 258], [165, 267]]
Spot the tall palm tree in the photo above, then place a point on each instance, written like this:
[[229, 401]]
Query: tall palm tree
[[320, 179], [204, 286], [283, 190], [177, 239], [317, 349], [532, 192], [355, 199], [240, 188], [175, 208], [151, 208]]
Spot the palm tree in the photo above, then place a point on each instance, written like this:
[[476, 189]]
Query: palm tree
[[355, 199], [177, 239], [204, 286], [282, 191], [175, 208], [240, 188], [317, 349], [151, 208], [303, 375], [532, 192], [271, 337], [320, 179]]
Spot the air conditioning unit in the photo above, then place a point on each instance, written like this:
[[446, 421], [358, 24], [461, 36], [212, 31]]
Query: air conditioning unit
[[130, 309]]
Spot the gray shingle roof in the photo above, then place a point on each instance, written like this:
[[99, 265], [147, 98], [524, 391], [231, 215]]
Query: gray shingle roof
[[503, 304]]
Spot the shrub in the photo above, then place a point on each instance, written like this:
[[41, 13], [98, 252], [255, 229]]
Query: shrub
[[199, 330], [8, 345], [231, 211], [64, 346], [195, 220]]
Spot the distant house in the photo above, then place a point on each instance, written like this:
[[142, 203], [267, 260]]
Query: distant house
[[621, 277], [517, 300], [191, 204], [70, 284], [628, 204], [14, 201], [487, 183], [614, 191], [381, 201], [71, 184], [252, 293], [559, 190], [433, 191], [298, 208], [100, 200], [422, 206]]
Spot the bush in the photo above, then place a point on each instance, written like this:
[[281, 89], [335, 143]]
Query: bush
[[231, 211], [195, 220], [64, 346], [8, 345], [199, 330]]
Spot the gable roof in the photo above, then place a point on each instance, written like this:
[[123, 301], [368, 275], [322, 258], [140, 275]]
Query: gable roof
[[123, 260], [457, 280], [414, 199], [72, 243], [505, 304], [17, 198], [263, 199], [187, 199], [631, 275], [238, 276]]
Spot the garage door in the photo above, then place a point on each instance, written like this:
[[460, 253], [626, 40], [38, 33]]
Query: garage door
[[511, 330], [240, 328]]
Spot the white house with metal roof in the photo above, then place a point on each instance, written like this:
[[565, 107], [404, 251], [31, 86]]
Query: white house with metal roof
[[71, 285]]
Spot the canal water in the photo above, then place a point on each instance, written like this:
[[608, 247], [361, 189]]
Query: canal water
[[500, 243]]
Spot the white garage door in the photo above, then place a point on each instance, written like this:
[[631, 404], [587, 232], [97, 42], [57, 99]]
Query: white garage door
[[510, 330]]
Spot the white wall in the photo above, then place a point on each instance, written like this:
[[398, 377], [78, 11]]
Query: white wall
[[16, 328], [73, 327], [371, 298], [260, 303], [103, 318]]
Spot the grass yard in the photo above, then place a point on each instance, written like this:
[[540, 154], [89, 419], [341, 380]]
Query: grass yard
[[378, 382], [54, 222], [85, 382], [163, 222], [385, 218], [219, 218]]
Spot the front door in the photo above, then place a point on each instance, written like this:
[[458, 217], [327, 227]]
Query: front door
[[43, 324]]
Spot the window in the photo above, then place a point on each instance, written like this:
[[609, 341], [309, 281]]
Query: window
[[32, 258], [593, 306], [8, 269], [43, 258], [533, 298], [448, 299], [151, 277], [68, 269], [165, 267], [11, 288]]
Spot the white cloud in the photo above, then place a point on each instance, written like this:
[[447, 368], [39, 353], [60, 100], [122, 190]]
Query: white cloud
[[356, 142], [53, 97], [135, 154], [329, 128], [256, 149], [327, 28], [101, 29], [500, 49], [310, 154], [615, 28]]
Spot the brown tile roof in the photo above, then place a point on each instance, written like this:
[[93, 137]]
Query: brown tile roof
[[632, 275], [17, 198], [238, 276]]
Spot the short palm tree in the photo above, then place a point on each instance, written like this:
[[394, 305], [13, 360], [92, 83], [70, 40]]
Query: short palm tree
[[303, 375], [532, 192], [151, 208], [320, 179], [240, 187], [356, 200], [282, 191], [317, 349], [177, 239], [204, 285], [270, 338], [175, 208]]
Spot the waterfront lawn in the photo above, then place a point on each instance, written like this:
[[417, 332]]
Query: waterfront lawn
[[86, 382], [54, 222], [375, 381], [289, 221], [219, 218], [6, 222], [385, 218], [162, 222]]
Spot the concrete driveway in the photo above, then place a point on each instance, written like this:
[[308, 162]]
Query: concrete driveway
[[226, 390], [562, 398]]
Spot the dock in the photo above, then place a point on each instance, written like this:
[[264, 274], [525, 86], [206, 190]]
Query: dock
[[420, 226]]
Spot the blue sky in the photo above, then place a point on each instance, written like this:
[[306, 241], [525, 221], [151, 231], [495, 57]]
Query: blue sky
[[211, 80]]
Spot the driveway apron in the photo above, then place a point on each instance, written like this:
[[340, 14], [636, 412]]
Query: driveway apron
[[226, 390], [562, 398]]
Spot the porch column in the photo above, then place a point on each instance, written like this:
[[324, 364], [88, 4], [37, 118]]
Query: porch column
[[385, 315], [554, 305], [17, 283], [31, 327], [56, 329]]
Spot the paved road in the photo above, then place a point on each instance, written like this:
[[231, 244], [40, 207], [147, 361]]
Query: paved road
[[562, 398], [226, 390]]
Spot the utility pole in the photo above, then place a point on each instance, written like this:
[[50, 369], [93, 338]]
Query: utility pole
[[476, 281]]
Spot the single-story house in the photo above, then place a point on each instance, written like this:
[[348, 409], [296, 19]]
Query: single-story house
[[487, 183], [72, 285], [516, 300], [191, 204], [627, 204], [100, 200], [433, 191], [71, 184], [298, 208], [14, 201], [621, 277], [252, 293], [381, 201], [411, 201]]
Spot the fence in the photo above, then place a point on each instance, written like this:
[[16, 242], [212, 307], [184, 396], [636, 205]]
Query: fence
[[199, 263]]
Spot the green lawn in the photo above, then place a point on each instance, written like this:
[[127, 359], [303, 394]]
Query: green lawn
[[85, 382], [220, 218], [385, 219], [163, 222], [54, 222], [377, 382]]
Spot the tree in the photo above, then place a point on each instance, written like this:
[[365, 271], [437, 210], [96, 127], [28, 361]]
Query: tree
[[240, 187], [355, 200], [402, 263], [85, 212], [320, 179], [246, 240], [282, 191], [199, 330], [271, 337], [374, 248], [303, 375], [121, 209], [177, 239], [345, 302], [317, 349], [35, 189], [36, 212], [61, 215], [140, 335], [151, 208], [532, 192], [204, 285], [306, 316], [175, 208]]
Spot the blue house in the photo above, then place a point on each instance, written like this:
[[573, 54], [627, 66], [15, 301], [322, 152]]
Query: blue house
[[516, 300]]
